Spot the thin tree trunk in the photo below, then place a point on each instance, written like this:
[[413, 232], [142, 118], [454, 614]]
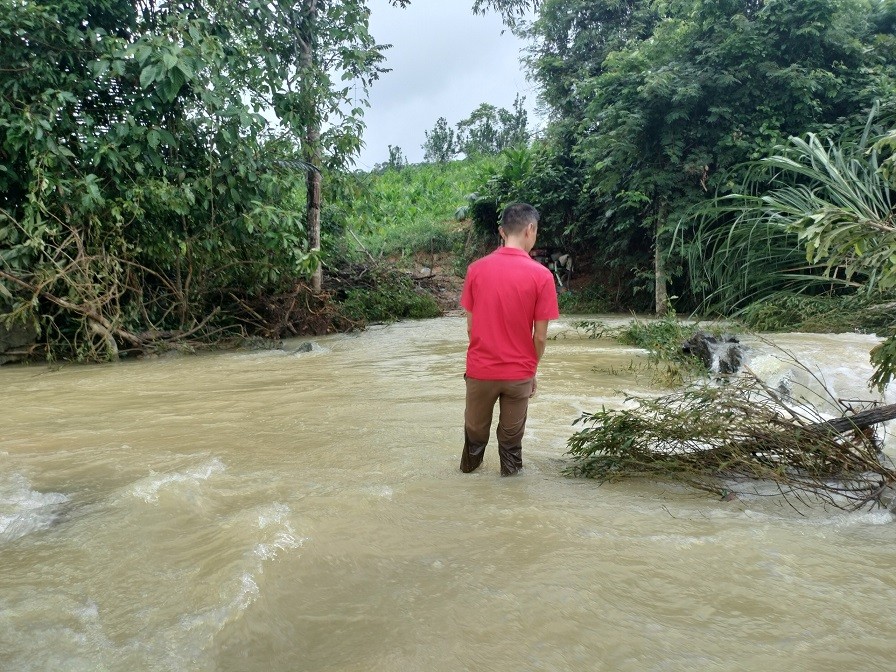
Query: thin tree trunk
[[313, 205], [311, 150], [661, 296], [860, 420]]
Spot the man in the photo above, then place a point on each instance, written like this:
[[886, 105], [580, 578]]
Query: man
[[509, 299]]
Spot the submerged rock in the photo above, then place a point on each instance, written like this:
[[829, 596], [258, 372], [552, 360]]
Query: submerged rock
[[720, 355], [15, 337], [306, 347]]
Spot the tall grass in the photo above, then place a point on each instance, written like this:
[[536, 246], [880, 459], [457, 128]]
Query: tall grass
[[402, 212]]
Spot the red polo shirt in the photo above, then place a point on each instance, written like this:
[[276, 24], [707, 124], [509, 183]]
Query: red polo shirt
[[506, 292]]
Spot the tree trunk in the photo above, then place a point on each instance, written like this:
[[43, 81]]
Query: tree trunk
[[313, 205], [661, 296], [311, 150], [860, 420]]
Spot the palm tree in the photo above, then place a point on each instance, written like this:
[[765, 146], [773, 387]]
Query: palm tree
[[816, 215]]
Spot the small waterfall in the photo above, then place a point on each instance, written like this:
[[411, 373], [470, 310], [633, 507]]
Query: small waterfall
[[818, 369], [723, 354]]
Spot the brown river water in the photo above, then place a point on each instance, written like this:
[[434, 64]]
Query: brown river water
[[285, 511]]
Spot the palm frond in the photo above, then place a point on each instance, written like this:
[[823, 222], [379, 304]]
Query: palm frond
[[817, 214]]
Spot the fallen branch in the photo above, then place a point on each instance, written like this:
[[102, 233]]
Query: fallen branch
[[859, 421], [102, 327], [729, 438], [98, 320], [366, 251]]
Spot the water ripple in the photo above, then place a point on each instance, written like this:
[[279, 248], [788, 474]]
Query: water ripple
[[148, 488]]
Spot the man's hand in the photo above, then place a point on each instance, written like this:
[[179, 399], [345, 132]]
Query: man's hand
[[534, 386]]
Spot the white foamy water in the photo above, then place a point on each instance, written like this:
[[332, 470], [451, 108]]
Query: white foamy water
[[242, 583], [279, 534], [24, 510], [818, 367], [148, 488]]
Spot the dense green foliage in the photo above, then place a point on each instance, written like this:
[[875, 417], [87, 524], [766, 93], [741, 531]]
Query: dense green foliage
[[491, 130], [586, 298], [140, 186], [488, 130], [830, 203], [157, 158], [823, 313], [390, 296], [441, 143], [655, 105], [813, 218]]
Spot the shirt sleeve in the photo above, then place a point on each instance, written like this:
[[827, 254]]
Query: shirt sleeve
[[466, 295], [546, 307]]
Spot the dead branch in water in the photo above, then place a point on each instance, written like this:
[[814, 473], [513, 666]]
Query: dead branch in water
[[861, 420], [727, 439], [98, 322]]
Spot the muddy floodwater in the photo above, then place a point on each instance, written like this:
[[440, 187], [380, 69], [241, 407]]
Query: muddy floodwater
[[301, 511]]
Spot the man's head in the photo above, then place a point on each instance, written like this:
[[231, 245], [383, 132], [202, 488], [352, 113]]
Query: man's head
[[519, 225]]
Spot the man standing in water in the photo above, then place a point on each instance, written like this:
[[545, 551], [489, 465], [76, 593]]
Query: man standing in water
[[509, 299]]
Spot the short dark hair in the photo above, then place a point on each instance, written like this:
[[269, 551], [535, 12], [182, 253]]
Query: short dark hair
[[517, 216]]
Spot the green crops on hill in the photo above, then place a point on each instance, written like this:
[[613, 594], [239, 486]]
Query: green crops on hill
[[412, 209]]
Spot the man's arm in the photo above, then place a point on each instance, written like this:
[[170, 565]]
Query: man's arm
[[540, 337], [469, 324]]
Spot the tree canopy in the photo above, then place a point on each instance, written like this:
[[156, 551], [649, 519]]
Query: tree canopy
[[488, 130], [653, 106], [152, 153], [157, 158], [491, 130], [441, 142]]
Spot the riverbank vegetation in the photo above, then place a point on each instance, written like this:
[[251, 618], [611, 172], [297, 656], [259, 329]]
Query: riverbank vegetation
[[670, 364], [171, 172], [408, 210], [725, 431], [731, 159]]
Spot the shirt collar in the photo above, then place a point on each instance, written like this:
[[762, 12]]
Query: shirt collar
[[514, 251]]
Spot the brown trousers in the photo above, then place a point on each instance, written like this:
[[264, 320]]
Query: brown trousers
[[513, 397]]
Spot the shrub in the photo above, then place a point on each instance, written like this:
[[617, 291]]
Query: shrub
[[390, 296]]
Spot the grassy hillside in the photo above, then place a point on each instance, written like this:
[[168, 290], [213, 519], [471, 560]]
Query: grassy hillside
[[409, 215], [400, 213]]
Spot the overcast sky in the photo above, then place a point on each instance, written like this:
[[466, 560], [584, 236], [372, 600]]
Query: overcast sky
[[445, 62]]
